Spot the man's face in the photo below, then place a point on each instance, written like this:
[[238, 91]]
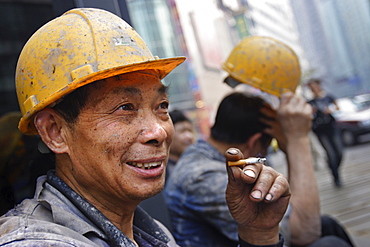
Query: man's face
[[184, 136], [120, 142], [315, 88]]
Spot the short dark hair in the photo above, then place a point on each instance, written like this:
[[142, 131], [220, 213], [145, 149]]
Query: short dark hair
[[237, 119], [178, 116], [71, 104]]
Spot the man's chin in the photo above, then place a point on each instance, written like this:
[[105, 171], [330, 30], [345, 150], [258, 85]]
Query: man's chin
[[148, 193]]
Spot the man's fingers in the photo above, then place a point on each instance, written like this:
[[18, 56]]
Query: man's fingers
[[263, 184], [285, 97], [266, 184], [251, 172], [232, 154], [247, 174], [269, 186], [280, 188]]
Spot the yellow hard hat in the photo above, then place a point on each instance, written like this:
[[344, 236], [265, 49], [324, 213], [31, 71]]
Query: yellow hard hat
[[79, 47], [264, 63]]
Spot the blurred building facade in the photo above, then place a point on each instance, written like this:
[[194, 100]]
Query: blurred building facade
[[331, 38], [213, 28], [335, 35]]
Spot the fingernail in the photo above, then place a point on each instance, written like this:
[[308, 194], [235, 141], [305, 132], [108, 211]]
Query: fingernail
[[268, 197], [232, 151], [249, 173], [256, 194]]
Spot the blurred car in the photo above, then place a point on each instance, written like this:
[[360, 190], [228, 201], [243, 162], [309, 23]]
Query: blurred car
[[353, 118], [363, 99]]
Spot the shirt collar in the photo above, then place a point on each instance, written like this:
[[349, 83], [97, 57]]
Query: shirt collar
[[142, 221]]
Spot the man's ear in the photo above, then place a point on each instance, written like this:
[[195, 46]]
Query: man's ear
[[252, 146], [253, 140], [50, 128]]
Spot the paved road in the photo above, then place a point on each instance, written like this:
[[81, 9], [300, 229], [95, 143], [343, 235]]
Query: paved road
[[350, 204]]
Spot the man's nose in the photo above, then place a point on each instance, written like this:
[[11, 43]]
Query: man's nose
[[153, 131]]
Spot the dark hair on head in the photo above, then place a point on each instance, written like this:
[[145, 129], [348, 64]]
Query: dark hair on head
[[70, 107], [237, 119], [178, 116]]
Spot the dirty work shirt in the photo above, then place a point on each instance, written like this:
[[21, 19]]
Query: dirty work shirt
[[195, 195], [57, 216]]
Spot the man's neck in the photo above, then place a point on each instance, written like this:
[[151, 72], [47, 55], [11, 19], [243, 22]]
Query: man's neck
[[223, 147], [220, 146], [116, 225], [118, 212]]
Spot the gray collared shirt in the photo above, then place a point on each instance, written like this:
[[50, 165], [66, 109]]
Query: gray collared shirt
[[55, 218]]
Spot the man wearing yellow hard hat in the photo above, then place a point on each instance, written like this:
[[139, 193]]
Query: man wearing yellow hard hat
[[89, 86], [195, 191], [273, 67]]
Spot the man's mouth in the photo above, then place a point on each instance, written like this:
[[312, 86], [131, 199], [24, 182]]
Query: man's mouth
[[145, 165]]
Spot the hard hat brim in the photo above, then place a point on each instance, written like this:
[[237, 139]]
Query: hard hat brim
[[162, 68]]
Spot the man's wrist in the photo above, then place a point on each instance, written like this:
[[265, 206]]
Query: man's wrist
[[298, 142], [298, 138], [257, 236], [280, 243]]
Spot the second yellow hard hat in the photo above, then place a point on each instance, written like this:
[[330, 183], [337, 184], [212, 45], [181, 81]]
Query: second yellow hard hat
[[264, 63]]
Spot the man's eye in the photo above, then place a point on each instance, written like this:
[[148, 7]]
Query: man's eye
[[127, 107], [164, 105]]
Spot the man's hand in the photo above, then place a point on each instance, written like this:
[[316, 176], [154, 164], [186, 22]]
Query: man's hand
[[292, 120], [257, 198]]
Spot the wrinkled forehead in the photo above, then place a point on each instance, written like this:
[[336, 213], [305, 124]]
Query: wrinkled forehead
[[135, 83]]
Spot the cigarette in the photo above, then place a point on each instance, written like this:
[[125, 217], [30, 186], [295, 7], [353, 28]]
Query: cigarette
[[246, 161]]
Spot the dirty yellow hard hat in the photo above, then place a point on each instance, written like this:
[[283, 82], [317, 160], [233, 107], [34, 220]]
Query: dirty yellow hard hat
[[79, 47], [264, 63]]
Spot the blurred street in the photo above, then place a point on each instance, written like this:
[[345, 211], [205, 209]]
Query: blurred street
[[350, 204]]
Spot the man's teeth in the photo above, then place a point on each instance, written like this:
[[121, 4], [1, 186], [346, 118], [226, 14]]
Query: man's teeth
[[145, 165]]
